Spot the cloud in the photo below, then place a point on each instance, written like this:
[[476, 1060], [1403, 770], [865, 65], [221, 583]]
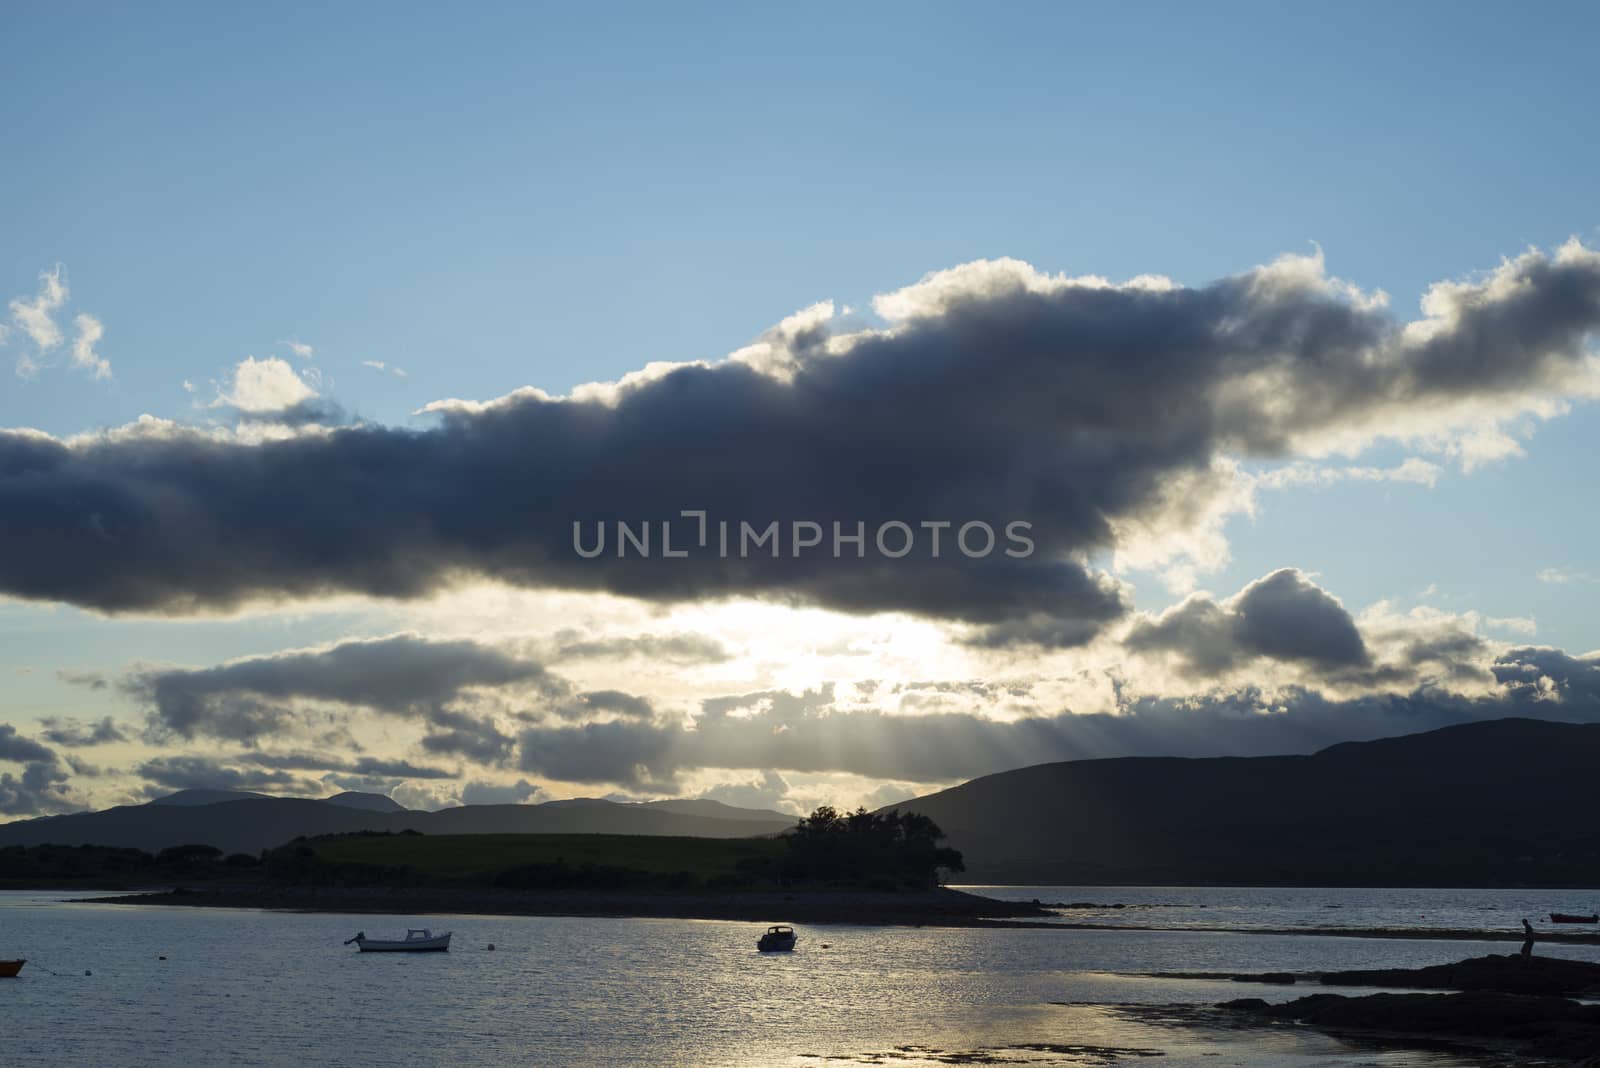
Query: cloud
[[379, 365], [1515, 624], [402, 675], [768, 790], [477, 738], [1541, 674], [92, 680], [1562, 576], [1110, 417], [263, 386], [299, 348], [40, 790], [84, 357], [367, 766], [1413, 470], [1284, 616], [673, 648], [73, 734], [586, 705], [810, 734], [42, 787], [17, 748], [184, 772], [487, 793], [36, 316]]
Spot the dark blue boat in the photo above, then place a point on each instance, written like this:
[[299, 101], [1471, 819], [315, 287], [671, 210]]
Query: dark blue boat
[[779, 939]]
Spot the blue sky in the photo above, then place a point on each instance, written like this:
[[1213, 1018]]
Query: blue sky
[[510, 195]]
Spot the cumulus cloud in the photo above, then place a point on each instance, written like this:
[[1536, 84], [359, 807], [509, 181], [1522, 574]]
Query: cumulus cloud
[[402, 675], [22, 750], [588, 705], [1109, 416], [1284, 616], [766, 790], [74, 734], [263, 386], [40, 790], [477, 792], [189, 772], [477, 738], [42, 787]]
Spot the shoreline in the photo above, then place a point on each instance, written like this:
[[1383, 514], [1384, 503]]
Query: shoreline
[[937, 908], [1442, 934]]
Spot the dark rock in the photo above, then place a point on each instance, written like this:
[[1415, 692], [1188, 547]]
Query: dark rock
[[1542, 1026], [1508, 974]]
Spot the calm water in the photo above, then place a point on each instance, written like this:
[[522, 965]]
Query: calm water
[[270, 989], [1246, 908]]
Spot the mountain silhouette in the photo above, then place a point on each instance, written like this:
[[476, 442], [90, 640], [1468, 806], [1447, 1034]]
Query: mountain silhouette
[[239, 822], [369, 801], [1495, 803]]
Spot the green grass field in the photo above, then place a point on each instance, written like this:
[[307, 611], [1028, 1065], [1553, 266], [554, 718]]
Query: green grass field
[[477, 858]]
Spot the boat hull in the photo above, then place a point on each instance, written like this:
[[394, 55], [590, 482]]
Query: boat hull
[[431, 945], [10, 968]]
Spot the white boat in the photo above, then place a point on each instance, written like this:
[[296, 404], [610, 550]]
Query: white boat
[[417, 940]]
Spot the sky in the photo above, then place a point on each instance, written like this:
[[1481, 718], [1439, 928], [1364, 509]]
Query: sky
[[321, 328]]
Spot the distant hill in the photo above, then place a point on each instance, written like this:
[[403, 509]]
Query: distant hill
[[370, 802], [251, 823], [713, 809], [204, 797], [1499, 803]]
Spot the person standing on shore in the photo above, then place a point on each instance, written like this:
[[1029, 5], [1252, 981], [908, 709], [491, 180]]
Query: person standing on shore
[[1527, 946]]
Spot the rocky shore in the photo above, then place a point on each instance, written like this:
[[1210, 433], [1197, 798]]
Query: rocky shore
[[1545, 1027], [931, 908], [1409, 934], [1505, 974], [1524, 1005]]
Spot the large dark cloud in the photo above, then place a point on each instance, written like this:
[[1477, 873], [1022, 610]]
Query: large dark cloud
[[1284, 616], [191, 772], [809, 733], [1000, 395], [403, 675]]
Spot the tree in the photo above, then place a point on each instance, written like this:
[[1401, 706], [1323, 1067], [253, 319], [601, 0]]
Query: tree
[[861, 848]]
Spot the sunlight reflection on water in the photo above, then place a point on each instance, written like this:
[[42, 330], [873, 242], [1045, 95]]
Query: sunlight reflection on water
[[277, 989]]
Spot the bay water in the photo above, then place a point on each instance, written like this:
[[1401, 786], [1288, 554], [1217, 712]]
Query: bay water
[[251, 988]]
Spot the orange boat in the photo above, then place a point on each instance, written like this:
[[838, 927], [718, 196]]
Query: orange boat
[[10, 968]]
